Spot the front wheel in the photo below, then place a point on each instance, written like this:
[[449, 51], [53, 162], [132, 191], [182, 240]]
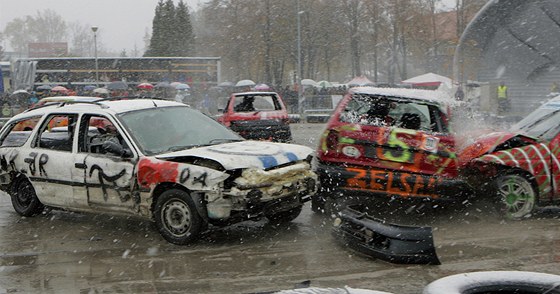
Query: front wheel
[[516, 196], [177, 218], [24, 199]]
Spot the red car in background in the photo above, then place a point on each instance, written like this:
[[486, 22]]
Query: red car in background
[[388, 143], [257, 116]]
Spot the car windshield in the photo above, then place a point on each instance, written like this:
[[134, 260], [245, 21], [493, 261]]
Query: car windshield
[[385, 111], [164, 129], [542, 123]]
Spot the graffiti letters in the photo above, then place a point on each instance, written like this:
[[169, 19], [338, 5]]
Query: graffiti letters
[[43, 159], [185, 175], [403, 184], [112, 179], [201, 179]]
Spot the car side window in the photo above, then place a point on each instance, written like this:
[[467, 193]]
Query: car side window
[[95, 131], [57, 132], [19, 132]]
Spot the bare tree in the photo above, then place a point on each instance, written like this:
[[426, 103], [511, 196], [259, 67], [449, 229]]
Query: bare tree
[[81, 39]]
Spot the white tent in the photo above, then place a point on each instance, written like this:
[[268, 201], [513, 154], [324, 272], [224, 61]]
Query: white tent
[[360, 81], [429, 80]]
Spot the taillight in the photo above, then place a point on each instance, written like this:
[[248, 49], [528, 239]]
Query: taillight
[[332, 140]]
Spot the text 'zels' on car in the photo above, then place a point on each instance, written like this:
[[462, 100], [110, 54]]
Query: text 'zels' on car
[[388, 143], [257, 116], [155, 159]]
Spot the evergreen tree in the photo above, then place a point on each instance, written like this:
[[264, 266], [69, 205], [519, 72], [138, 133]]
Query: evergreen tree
[[168, 28], [157, 39], [172, 32], [184, 36]]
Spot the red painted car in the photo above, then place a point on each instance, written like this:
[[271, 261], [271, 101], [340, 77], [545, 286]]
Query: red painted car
[[519, 168], [388, 143], [257, 116]]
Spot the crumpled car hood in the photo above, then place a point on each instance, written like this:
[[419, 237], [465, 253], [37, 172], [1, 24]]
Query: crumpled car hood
[[245, 154], [490, 142]]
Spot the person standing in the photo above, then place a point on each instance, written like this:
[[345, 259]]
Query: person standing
[[503, 99]]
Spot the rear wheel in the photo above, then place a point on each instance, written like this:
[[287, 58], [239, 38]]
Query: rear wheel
[[24, 199], [177, 218], [516, 196]]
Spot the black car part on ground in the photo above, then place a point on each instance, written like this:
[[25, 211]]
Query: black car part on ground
[[390, 242]]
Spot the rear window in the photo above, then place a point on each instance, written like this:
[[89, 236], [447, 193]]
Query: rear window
[[19, 132], [256, 103], [393, 112]]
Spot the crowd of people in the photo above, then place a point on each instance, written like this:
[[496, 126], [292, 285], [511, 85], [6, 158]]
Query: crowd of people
[[207, 99]]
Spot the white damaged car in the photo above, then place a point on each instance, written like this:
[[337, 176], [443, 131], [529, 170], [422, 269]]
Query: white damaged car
[[155, 159]]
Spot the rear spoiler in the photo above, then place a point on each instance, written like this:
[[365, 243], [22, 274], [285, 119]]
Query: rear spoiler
[[390, 242]]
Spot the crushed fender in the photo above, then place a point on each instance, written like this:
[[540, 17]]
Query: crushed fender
[[390, 242]]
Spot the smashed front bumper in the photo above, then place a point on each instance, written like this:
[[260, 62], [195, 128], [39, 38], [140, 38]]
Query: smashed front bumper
[[389, 242]]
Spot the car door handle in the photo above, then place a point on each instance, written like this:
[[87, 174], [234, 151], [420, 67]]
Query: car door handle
[[80, 165]]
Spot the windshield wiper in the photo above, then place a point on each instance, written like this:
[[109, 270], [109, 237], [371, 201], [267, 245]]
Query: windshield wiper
[[177, 148], [217, 141]]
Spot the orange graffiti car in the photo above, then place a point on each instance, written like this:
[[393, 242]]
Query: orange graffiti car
[[388, 143]]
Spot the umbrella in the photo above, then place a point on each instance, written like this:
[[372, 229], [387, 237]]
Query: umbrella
[[324, 84], [174, 84], [20, 92], [89, 87], [244, 83], [145, 86], [182, 87], [59, 89], [162, 85], [226, 84], [118, 85], [308, 82], [262, 87], [44, 87], [101, 91]]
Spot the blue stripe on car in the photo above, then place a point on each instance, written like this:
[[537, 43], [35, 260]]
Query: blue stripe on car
[[291, 156], [268, 161]]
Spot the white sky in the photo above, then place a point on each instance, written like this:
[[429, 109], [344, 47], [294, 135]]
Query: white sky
[[122, 23]]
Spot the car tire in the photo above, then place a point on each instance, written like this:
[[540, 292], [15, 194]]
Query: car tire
[[516, 196], [285, 216], [24, 199], [495, 282], [177, 218]]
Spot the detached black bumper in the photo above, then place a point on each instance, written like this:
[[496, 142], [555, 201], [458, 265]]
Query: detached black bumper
[[389, 242]]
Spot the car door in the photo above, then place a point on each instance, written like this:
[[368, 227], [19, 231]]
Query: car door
[[107, 177], [47, 161]]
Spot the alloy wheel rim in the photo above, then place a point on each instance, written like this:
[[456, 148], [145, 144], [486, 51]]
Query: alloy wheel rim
[[518, 197]]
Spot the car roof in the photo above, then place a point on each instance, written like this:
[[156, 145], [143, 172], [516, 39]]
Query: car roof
[[114, 106], [432, 96], [254, 93], [67, 98]]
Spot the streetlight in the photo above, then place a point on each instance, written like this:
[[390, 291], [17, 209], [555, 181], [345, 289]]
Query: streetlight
[[300, 89], [94, 29]]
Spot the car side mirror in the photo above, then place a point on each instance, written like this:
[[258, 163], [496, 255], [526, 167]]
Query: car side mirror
[[117, 149]]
